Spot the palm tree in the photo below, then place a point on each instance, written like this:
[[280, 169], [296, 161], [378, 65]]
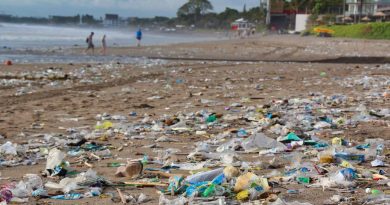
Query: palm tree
[[195, 7]]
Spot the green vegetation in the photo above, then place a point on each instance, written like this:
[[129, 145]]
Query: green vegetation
[[368, 30], [199, 13], [195, 8]]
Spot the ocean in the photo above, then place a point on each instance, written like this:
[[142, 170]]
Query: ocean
[[22, 37], [42, 36]]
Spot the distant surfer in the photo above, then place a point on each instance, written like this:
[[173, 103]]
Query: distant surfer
[[90, 43], [138, 35], [104, 45]]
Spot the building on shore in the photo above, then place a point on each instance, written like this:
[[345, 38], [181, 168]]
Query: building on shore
[[367, 10], [111, 20], [64, 19]]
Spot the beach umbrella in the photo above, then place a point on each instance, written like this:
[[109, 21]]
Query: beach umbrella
[[380, 14], [347, 18], [320, 18], [366, 18]]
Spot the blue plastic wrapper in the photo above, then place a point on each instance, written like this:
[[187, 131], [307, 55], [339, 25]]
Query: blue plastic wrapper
[[290, 172], [363, 146], [59, 170], [200, 187], [292, 191], [175, 184], [320, 145], [350, 157], [39, 192], [349, 174], [196, 188], [68, 196], [242, 133], [219, 179], [304, 169]]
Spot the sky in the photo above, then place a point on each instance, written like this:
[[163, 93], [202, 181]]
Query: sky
[[125, 8]]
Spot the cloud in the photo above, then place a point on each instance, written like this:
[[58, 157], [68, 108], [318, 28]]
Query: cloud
[[142, 8]]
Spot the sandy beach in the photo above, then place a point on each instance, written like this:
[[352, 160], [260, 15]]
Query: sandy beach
[[169, 80]]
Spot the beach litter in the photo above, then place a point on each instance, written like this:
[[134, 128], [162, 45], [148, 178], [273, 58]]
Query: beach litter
[[262, 154]]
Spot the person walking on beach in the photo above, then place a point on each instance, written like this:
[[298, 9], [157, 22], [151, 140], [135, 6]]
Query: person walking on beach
[[90, 43], [138, 35], [104, 45]]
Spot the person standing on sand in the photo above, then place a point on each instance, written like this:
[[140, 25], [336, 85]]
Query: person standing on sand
[[104, 45], [90, 43], [138, 35]]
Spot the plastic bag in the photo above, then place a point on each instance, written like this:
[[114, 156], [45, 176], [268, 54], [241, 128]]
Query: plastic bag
[[21, 190], [33, 181], [5, 195], [260, 141], [8, 148], [203, 147], [228, 158], [343, 178], [230, 172], [281, 202], [69, 184], [190, 166], [326, 156], [204, 176], [244, 181], [94, 191], [232, 145], [55, 158], [179, 201]]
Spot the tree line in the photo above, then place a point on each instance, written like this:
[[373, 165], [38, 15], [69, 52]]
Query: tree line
[[86, 19]]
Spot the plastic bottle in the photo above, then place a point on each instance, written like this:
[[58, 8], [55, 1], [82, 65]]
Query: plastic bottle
[[204, 176], [219, 179], [210, 191]]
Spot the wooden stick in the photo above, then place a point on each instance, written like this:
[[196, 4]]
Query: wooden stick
[[95, 156], [146, 184], [88, 164], [161, 174], [121, 196]]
